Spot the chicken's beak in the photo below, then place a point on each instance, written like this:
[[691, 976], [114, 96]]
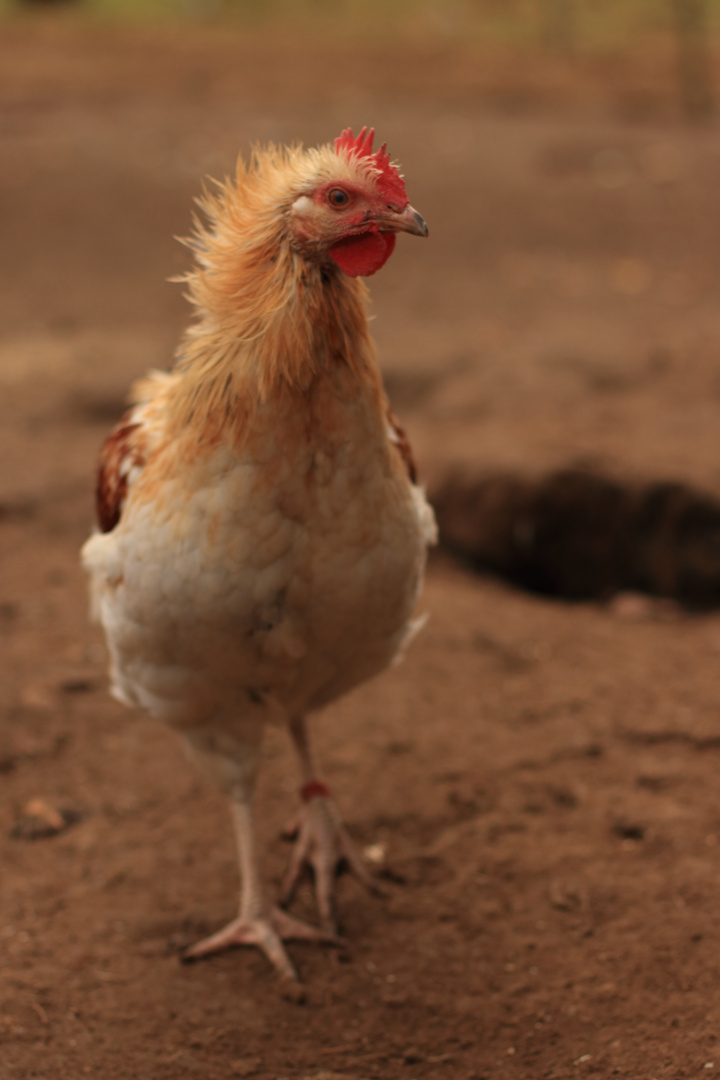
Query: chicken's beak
[[407, 220]]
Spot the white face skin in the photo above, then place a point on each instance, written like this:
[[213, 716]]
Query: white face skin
[[303, 206]]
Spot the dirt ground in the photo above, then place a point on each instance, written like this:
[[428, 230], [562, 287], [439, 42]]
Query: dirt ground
[[541, 777]]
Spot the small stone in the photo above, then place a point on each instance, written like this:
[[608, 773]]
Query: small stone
[[40, 820], [375, 853], [39, 808]]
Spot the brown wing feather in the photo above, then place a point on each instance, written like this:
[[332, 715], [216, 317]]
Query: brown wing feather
[[401, 441], [120, 453]]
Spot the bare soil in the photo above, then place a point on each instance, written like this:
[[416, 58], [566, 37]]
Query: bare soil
[[541, 777]]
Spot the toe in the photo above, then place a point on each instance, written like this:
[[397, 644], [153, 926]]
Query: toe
[[259, 932], [291, 929], [297, 862], [323, 845]]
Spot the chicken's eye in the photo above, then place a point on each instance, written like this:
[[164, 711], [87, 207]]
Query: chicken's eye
[[338, 198]]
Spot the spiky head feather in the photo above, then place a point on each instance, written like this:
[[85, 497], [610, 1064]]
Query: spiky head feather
[[269, 315], [389, 180]]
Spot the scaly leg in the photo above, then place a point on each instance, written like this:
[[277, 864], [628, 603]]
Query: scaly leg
[[322, 842], [256, 924]]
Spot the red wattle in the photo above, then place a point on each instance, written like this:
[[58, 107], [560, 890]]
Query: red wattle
[[361, 256]]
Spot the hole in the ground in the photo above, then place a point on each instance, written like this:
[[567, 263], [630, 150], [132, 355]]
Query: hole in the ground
[[579, 535]]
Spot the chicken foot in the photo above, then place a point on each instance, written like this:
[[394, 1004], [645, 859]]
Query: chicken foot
[[322, 841], [256, 923]]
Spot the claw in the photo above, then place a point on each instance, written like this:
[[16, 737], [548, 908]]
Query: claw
[[324, 845], [267, 934]]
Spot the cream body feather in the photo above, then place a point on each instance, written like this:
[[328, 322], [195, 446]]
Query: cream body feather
[[260, 584]]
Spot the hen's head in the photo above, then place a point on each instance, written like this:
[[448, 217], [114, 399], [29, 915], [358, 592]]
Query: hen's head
[[352, 205]]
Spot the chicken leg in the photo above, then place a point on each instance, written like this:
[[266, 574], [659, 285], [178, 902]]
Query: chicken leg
[[322, 841], [256, 923]]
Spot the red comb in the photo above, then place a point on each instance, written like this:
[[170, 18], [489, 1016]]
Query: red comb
[[390, 181]]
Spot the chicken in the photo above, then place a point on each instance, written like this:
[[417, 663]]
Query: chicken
[[262, 537]]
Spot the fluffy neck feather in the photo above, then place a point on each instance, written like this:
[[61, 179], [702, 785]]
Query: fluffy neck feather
[[270, 323]]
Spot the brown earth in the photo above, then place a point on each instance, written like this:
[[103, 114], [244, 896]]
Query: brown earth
[[541, 777]]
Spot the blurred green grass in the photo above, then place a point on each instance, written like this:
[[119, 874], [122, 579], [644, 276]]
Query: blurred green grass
[[571, 25]]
